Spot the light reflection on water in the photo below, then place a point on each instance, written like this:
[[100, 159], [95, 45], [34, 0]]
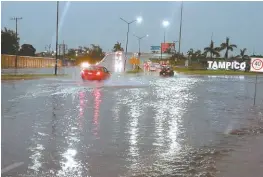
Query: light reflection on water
[[97, 100], [183, 114], [135, 110]]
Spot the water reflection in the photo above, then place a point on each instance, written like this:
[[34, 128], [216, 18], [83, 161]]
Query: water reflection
[[81, 109], [97, 101], [134, 113], [37, 148], [70, 163]]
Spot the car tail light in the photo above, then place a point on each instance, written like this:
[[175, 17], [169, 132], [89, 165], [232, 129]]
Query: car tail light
[[98, 73]]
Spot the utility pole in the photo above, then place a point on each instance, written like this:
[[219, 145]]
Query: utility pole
[[56, 65], [16, 19], [180, 33]]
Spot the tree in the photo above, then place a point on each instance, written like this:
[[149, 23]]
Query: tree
[[92, 55], [190, 52], [9, 42], [227, 46], [71, 52], [214, 51], [242, 55], [27, 50], [117, 47], [96, 52], [198, 53]]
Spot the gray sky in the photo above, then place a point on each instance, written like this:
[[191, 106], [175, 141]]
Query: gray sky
[[85, 23]]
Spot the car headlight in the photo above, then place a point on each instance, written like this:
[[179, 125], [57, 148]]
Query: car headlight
[[85, 65]]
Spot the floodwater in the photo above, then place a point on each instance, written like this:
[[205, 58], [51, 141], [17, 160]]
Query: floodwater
[[130, 125]]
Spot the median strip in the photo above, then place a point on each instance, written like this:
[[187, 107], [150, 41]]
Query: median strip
[[28, 76]]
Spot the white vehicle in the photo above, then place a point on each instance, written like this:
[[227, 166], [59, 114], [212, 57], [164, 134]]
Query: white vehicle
[[152, 67], [158, 66]]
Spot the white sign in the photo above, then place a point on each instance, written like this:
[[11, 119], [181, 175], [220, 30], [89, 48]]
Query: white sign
[[256, 65], [226, 65]]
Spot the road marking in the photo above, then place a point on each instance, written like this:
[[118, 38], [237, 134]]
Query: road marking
[[11, 167]]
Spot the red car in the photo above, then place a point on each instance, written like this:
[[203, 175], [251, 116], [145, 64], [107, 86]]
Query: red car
[[95, 73]]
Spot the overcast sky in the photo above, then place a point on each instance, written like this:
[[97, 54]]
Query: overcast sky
[[85, 23]]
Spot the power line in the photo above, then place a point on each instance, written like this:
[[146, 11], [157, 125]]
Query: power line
[[16, 20]]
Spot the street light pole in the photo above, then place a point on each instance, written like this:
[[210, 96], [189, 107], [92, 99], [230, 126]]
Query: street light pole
[[165, 24], [139, 39], [127, 40], [163, 43], [56, 65], [16, 19], [180, 33]]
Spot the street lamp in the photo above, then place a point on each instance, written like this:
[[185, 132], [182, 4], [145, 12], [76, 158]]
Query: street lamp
[[138, 20], [165, 24], [139, 39]]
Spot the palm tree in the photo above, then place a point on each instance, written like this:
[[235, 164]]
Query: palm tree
[[198, 53], [242, 55], [117, 47], [190, 52], [214, 51], [227, 46]]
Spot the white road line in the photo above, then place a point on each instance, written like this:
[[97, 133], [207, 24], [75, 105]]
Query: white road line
[[10, 167]]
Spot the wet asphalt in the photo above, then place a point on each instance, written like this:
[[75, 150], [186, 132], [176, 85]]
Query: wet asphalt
[[130, 125]]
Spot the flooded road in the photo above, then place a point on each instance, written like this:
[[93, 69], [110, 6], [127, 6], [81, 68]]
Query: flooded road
[[127, 126]]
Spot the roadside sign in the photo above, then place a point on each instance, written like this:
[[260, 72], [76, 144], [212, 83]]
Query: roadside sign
[[256, 65], [134, 61], [155, 48]]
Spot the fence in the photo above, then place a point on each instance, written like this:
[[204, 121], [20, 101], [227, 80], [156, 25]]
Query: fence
[[8, 61]]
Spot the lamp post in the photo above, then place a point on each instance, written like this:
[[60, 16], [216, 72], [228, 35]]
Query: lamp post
[[138, 20], [180, 32], [165, 24], [139, 39]]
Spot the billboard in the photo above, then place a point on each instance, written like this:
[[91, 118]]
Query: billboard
[[155, 49], [168, 47]]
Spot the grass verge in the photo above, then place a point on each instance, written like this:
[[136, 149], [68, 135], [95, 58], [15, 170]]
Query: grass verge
[[212, 72], [27, 76], [134, 71]]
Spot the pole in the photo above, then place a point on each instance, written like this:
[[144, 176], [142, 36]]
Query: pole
[[164, 37], [127, 40], [64, 52], [139, 52], [16, 46], [139, 48], [180, 33], [56, 65], [16, 20], [255, 94]]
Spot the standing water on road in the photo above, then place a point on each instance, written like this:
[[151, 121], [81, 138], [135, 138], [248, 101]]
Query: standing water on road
[[126, 126]]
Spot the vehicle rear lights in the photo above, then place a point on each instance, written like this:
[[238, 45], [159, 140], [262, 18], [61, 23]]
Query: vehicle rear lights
[[98, 73]]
